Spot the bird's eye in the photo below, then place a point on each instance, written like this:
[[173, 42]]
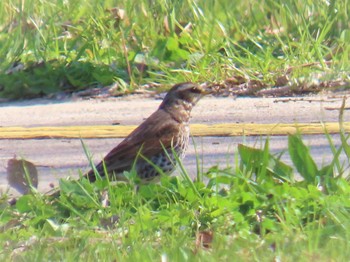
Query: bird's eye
[[195, 90]]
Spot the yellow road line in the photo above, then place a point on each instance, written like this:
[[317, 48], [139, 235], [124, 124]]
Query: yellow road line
[[196, 130]]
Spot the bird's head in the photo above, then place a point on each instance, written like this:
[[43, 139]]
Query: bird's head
[[187, 93], [182, 97]]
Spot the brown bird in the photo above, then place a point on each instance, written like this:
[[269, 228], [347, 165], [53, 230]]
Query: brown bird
[[149, 148]]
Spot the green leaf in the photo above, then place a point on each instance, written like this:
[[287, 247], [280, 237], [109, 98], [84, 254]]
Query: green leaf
[[302, 160], [256, 160], [326, 171], [172, 44], [23, 204], [217, 176], [81, 193], [269, 224], [179, 54]]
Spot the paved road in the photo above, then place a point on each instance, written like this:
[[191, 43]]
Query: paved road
[[57, 158]]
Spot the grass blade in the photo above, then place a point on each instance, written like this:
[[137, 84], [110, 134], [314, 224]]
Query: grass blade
[[302, 159]]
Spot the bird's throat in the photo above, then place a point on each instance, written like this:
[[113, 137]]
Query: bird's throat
[[180, 111]]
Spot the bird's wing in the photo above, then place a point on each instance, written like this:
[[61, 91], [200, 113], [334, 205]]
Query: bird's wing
[[147, 139]]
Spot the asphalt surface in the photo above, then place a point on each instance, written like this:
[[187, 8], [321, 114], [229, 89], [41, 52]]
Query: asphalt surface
[[59, 158]]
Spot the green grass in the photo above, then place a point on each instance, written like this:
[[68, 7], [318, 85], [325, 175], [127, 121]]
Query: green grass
[[255, 211], [72, 45]]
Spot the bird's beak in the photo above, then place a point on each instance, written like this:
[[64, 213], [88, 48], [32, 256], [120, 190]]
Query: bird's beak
[[209, 88]]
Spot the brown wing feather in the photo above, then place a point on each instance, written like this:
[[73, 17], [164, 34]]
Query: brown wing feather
[[149, 137]]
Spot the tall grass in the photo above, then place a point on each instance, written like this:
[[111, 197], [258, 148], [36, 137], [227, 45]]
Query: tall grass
[[172, 41]]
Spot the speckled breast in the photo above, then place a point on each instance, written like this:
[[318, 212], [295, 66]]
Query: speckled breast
[[164, 162]]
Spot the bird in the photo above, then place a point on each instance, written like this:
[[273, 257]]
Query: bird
[[150, 149]]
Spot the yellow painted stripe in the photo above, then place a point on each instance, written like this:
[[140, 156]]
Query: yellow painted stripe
[[196, 130]]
